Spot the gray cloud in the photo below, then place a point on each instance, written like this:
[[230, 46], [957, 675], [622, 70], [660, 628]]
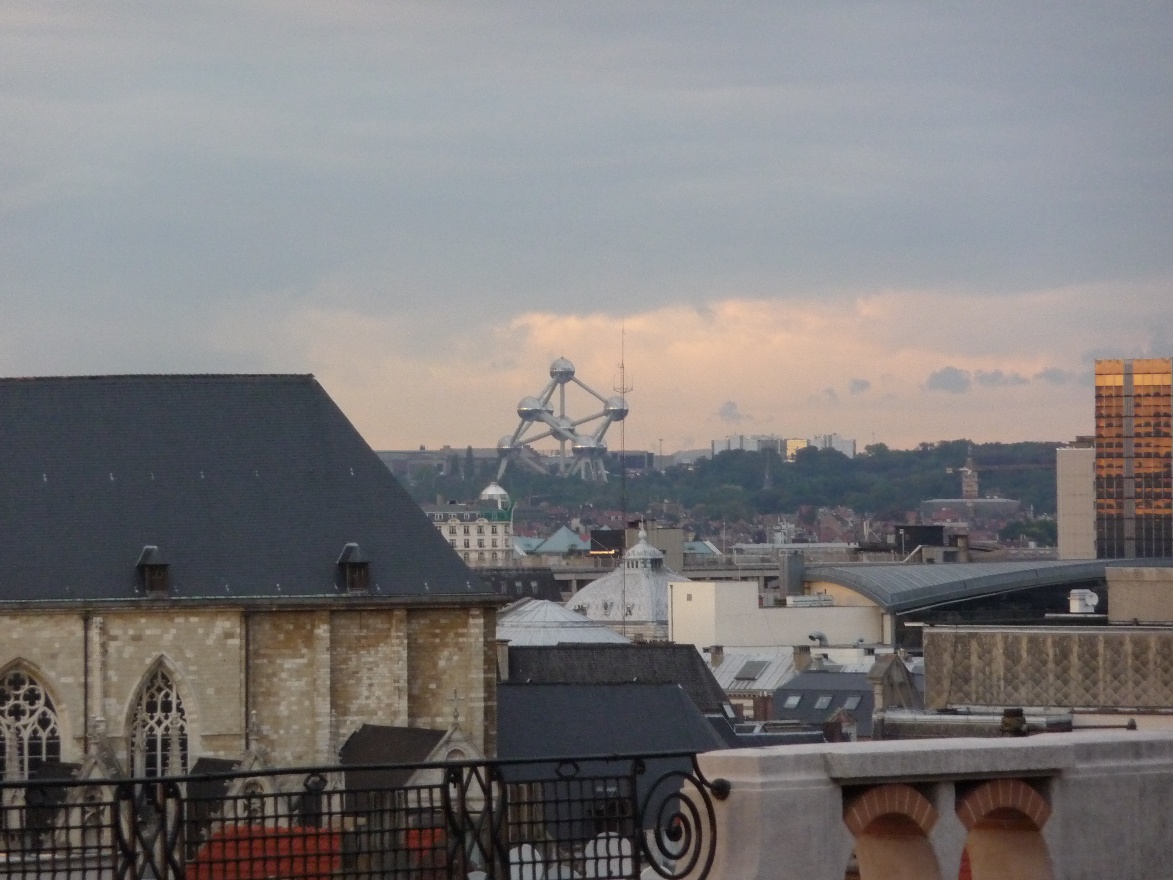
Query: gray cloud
[[1055, 376], [729, 412], [443, 167], [998, 379], [858, 386], [949, 379]]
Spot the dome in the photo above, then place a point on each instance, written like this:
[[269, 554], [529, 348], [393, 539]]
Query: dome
[[561, 371], [635, 593], [643, 551]]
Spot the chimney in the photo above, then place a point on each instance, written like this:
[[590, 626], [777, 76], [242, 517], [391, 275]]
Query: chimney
[[963, 548], [502, 659], [716, 655], [802, 658]]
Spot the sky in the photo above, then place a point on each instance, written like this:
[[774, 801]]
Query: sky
[[899, 222]]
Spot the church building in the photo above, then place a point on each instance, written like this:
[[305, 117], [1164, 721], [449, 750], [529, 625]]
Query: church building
[[219, 567]]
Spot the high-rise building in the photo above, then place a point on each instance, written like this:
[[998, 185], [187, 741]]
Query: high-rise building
[[1075, 496], [1134, 458]]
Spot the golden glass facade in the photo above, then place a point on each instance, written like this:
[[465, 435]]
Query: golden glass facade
[[1134, 458]]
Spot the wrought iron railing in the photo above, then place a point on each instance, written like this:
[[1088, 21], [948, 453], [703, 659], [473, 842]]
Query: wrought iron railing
[[599, 816]]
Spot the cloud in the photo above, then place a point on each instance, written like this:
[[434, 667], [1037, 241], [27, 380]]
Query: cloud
[[998, 379], [949, 379], [425, 204], [729, 412], [1055, 376]]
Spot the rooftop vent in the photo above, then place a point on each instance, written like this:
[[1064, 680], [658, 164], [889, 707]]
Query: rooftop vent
[[153, 571], [355, 569]]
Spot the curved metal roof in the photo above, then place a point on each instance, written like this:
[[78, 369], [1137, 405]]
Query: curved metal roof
[[898, 587]]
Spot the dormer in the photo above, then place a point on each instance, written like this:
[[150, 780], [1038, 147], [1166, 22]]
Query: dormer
[[354, 569], [153, 572]]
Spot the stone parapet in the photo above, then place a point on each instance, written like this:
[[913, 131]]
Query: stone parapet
[[1092, 804]]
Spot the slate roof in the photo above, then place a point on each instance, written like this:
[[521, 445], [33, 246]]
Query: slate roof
[[557, 720], [250, 486], [840, 686], [898, 588], [384, 744], [547, 721], [619, 664]]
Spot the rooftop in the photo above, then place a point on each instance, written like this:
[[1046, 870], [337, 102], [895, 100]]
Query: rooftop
[[249, 486], [898, 587]]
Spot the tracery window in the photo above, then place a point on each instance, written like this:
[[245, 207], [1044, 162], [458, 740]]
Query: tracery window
[[29, 733], [159, 729]]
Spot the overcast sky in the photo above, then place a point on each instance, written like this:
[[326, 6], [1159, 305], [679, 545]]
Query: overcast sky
[[895, 221]]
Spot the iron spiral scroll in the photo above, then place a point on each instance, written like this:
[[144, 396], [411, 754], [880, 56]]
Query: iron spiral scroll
[[678, 812]]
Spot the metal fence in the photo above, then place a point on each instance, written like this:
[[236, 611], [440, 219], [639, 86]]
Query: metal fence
[[599, 816]]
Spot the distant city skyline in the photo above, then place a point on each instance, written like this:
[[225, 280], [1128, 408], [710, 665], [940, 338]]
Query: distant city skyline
[[896, 222]]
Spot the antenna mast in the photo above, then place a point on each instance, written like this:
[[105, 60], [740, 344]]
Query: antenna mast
[[622, 389]]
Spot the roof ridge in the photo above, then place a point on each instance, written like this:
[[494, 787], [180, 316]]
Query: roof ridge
[[235, 377]]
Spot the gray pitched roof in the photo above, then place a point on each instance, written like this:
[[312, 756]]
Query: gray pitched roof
[[550, 721], [809, 686], [384, 744], [618, 664], [250, 486]]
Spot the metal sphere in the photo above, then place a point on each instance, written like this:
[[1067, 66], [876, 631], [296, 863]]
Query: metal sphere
[[562, 371], [563, 428], [506, 446], [616, 408], [530, 408], [589, 447]]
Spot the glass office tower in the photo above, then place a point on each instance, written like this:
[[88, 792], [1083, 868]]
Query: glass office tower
[[1134, 458]]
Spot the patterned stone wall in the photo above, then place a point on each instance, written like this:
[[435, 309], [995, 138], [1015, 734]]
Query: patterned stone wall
[[201, 650], [1078, 668], [455, 653], [282, 685], [293, 683]]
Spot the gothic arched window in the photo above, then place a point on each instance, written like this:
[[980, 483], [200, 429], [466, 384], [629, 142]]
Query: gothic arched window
[[29, 734], [159, 729]]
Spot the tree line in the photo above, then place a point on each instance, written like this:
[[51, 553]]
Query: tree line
[[736, 485]]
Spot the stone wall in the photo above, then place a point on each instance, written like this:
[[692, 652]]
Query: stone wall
[[291, 682], [1100, 667], [1064, 805]]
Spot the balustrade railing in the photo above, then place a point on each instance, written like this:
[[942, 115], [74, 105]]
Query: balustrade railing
[[632, 816]]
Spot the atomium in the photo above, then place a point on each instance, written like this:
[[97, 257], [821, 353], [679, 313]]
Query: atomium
[[582, 449]]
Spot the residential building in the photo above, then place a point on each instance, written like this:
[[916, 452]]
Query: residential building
[[482, 532], [1134, 458]]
